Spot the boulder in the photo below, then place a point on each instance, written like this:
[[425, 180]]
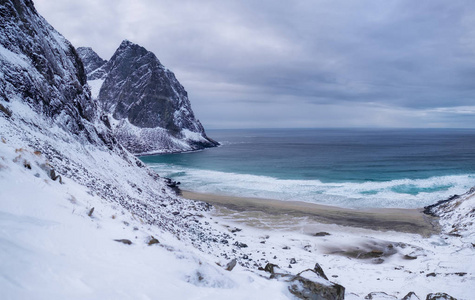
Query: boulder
[[152, 241], [309, 284], [439, 296], [230, 266]]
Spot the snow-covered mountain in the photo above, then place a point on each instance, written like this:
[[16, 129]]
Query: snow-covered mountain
[[92, 61], [146, 107]]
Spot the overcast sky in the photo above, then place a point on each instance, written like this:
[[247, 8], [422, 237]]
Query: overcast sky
[[325, 63]]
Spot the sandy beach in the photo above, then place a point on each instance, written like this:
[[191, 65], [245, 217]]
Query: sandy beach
[[381, 219]]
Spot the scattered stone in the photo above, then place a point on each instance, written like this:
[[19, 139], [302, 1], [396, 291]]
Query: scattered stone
[[318, 269], [6, 111], [230, 266], [409, 257], [235, 229], [269, 268], [335, 276], [175, 213], [439, 296], [263, 242], [240, 245], [460, 274], [286, 248], [90, 212], [379, 296], [126, 223], [245, 256], [293, 261], [124, 241], [377, 261], [431, 275], [153, 241], [322, 233], [411, 296], [27, 165]]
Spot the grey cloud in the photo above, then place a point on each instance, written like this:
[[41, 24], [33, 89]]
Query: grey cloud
[[411, 56]]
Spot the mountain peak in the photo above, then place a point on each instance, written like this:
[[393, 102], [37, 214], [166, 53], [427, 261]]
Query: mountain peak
[[126, 43], [91, 60], [150, 106]]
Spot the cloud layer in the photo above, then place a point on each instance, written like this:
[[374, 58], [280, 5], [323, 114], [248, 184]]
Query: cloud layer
[[327, 63]]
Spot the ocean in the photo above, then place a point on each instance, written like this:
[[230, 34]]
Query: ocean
[[354, 168]]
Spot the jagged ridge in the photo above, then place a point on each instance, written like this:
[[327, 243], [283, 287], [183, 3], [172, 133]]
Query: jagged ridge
[[150, 109]]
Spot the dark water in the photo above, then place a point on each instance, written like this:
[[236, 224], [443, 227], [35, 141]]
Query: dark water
[[354, 168]]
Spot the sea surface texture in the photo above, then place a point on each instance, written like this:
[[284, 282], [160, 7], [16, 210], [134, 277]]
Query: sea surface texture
[[342, 167]]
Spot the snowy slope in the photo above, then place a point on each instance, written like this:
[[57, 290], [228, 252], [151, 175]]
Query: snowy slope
[[50, 248]]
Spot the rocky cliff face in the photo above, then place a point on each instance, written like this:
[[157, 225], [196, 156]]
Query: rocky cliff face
[[92, 61], [40, 68], [148, 109]]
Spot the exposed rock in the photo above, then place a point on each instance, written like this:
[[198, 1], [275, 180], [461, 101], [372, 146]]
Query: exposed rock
[[411, 296], [439, 296], [230, 266], [152, 241], [293, 261], [322, 233], [240, 245], [90, 212], [43, 69], [377, 261], [379, 296], [91, 61], [124, 241], [150, 108], [318, 269], [270, 268], [309, 285]]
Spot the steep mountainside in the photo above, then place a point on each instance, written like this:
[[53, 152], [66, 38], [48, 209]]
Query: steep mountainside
[[46, 109], [149, 109], [38, 66]]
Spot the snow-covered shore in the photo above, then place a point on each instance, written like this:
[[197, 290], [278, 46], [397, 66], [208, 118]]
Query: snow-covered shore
[[54, 247]]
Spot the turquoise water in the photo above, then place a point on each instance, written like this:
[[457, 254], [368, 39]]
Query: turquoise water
[[350, 168]]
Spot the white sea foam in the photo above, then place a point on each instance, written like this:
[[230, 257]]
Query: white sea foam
[[401, 193]]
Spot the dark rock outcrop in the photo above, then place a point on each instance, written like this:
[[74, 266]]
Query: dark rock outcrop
[[309, 285], [150, 107], [42, 69], [439, 296], [411, 296], [92, 62]]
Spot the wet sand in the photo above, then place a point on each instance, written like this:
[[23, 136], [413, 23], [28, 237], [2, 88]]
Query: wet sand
[[381, 219]]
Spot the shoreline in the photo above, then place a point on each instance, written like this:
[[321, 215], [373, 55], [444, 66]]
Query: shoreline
[[379, 219]]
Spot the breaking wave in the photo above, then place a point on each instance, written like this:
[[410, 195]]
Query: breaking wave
[[400, 193]]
